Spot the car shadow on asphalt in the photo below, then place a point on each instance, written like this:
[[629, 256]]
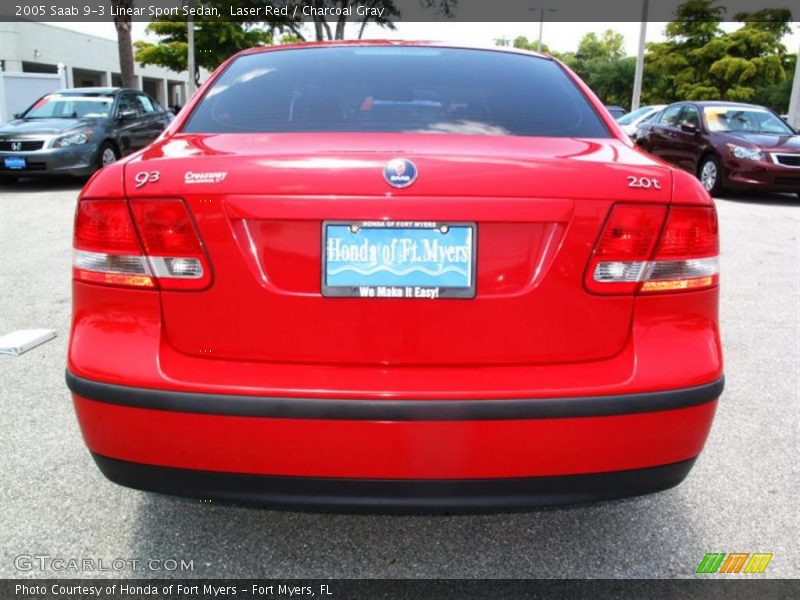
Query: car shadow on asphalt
[[613, 538], [755, 198]]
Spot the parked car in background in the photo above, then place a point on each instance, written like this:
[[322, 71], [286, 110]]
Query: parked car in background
[[616, 111], [424, 292], [727, 145], [77, 131], [630, 122]]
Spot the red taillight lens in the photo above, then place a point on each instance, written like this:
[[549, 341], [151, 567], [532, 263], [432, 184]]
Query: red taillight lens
[[108, 250], [166, 228], [172, 244], [106, 226], [686, 257], [621, 255], [691, 232], [631, 232], [631, 256]]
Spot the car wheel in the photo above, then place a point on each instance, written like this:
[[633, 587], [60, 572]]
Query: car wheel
[[710, 175], [108, 155]]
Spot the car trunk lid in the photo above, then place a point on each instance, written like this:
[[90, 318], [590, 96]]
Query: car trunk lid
[[260, 201]]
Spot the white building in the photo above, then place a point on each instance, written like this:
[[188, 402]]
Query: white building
[[36, 58]]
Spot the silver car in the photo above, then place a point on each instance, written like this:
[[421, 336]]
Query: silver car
[[77, 131], [632, 120]]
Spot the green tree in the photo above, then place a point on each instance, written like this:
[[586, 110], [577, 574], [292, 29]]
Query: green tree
[[215, 41], [600, 61], [290, 38], [669, 65], [696, 24], [753, 55], [778, 95], [609, 46], [523, 43], [700, 62], [611, 80], [697, 61]]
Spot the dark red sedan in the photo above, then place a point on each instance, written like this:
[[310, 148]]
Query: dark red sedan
[[727, 145], [395, 275]]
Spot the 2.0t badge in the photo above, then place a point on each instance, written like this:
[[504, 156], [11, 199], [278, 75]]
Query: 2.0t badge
[[400, 172]]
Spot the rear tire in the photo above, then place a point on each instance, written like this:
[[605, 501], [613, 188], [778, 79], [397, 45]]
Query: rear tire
[[710, 174], [108, 154]]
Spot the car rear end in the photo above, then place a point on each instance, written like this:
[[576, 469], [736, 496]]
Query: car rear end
[[430, 296]]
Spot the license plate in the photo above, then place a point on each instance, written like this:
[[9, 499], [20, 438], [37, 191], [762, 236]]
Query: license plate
[[398, 259], [14, 162]]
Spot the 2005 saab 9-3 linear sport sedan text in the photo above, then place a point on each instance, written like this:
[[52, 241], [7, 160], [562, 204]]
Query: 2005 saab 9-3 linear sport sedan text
[[398, 276]]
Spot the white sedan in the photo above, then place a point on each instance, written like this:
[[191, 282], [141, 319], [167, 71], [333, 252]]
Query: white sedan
[[631, 121]]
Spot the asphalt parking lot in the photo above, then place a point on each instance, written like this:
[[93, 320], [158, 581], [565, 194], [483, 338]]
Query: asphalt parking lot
[[742, 495]]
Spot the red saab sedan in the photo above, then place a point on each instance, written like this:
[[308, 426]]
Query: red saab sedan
[[398, 276]]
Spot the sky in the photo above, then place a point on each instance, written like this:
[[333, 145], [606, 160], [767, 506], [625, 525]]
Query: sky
[[559, 36]]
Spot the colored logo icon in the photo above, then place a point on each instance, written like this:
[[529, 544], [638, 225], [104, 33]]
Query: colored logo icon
[[400, 172], [735, 562]]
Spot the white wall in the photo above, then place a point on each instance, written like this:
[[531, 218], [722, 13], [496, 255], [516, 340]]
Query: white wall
[[31, 42], [19, 90], [48, 44]]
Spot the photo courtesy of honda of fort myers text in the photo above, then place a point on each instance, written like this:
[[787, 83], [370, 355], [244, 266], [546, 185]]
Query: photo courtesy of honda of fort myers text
[[403, 298]]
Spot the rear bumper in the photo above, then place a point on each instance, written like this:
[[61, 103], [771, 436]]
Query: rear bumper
[[381, 494], [394, 410], [394, 453]]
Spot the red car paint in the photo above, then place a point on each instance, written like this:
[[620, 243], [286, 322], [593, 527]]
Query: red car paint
[[256, 326]]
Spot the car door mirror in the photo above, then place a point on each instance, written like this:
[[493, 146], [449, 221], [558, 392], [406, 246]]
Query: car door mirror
[[688, 127], [127, 115], [17, 115]]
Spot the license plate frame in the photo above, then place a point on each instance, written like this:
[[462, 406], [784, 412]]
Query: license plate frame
[[15, 163], [409, 290]]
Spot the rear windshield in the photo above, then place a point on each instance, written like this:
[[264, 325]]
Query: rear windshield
[[395, 89]]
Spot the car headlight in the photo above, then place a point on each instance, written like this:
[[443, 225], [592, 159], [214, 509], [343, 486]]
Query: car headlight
[[746, 153], [73, 139]]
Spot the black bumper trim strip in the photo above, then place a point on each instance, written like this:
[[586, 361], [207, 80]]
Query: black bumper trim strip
[[393, 494], [394, 410]]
